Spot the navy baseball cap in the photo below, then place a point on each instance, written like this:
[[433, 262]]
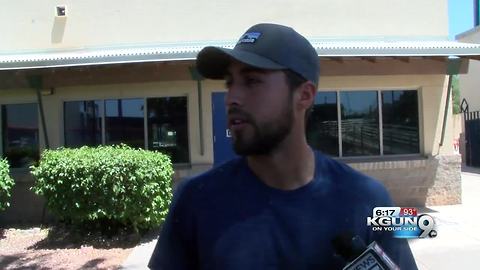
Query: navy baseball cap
[[264, 46]]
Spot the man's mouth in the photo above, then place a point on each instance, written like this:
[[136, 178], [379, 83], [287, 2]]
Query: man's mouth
[[235, 122]]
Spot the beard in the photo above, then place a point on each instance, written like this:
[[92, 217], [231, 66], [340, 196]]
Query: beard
[[267, 136]]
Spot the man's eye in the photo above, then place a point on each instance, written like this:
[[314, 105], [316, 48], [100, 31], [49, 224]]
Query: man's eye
[[252, 81], [228, 82]]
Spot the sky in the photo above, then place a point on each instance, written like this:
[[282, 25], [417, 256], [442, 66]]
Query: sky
[[460, 13]]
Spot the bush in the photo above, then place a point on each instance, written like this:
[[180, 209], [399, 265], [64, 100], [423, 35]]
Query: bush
[[6, 184], [105, 185]]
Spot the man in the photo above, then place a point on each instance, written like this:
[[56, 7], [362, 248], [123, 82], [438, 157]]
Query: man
[[281, 204]]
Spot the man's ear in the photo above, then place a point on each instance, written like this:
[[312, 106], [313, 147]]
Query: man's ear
[[306, 95]]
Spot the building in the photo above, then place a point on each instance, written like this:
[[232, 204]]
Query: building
[[85, 73], [469, 84]]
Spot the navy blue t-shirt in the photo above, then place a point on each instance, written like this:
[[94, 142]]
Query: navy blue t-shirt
[[227, 218]]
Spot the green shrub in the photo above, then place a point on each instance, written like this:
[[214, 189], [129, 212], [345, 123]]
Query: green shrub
[[116, 184], [6, 184], [456, 95]]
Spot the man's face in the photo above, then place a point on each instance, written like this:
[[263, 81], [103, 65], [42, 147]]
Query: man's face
[[259, 107]]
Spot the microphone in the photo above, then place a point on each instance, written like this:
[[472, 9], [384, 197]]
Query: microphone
[[360, 256]]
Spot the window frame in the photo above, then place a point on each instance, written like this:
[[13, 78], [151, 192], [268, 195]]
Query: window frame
[[186, 96], [145, 120], [104, 116], [419, 121], [380, 135], [380, 123], [62, 113], [41, 142]]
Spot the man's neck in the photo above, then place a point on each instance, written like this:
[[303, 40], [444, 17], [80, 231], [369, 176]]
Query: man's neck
[[288, 168]]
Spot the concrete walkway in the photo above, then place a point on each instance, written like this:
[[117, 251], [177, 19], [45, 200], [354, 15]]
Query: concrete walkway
[[138, 259], [457, 245]]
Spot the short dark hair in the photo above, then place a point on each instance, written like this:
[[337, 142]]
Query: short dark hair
[[294, 80]]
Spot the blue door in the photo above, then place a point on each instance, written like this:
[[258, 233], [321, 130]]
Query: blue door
[[222, 144]]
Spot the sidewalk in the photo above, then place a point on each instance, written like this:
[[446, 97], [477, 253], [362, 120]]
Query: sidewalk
[[138, 259], [457, 245]]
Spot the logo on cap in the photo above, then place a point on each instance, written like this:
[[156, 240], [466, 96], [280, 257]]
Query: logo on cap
[[249, 37]]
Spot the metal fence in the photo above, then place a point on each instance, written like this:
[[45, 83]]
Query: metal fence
[[472, 138]]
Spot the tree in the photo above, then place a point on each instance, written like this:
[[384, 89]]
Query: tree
[[455, 94]]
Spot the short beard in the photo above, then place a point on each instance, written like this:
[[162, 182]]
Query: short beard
[[267, 136]]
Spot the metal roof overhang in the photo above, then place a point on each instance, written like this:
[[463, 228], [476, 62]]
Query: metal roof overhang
[[188, 51]]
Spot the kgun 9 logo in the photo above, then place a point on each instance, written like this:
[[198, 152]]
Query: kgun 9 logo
[[403, 222]]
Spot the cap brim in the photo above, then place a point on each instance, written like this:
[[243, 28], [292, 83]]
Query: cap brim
[[212, 62]]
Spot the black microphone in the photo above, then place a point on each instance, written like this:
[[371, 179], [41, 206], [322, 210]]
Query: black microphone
[[360, 256]]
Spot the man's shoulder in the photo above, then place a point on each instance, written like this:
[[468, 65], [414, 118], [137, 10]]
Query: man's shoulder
[[346, 179], [213, 180]]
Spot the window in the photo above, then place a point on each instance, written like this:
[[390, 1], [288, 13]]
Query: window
[[20, 134], [167, 127], [362, 132], [124, 122], [322, 126], [116, 121], [400, 122], [83, 123], [359, 114]]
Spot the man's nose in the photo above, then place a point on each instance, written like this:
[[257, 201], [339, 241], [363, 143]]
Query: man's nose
[[234, 96]]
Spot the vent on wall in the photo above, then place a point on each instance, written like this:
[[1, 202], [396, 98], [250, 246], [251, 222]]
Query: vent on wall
[[61, 11]]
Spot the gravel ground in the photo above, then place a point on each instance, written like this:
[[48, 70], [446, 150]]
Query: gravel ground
[[56, 248]]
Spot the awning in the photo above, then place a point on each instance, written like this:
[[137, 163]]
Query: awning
[[188, 51]]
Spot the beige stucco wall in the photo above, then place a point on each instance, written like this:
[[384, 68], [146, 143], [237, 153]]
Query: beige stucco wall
[[470, 83], [471, 36], [432, 95], [27, 24], [428, 179], [53, 106], [431, 89]]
